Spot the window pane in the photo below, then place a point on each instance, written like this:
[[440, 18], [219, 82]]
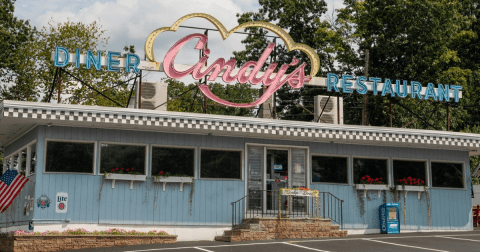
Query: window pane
[[69, 157], [220, 164], [375, 168], [15, 161], [33, 158], [404, 169], [122, 156], [23, 160], [329, 169], [175, 161], [447, 175]]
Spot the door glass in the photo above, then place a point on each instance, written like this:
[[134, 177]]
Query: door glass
[[277, 177], [255, 164], [298, 178]]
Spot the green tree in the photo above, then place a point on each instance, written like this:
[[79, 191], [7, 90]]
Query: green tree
[[302, 20], [408, 40], [37, 70], [183, 100], [15, 35]]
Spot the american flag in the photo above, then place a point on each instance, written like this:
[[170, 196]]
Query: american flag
[[10, 185]]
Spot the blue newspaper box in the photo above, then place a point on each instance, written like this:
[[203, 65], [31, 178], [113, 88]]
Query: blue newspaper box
[[389, 218]]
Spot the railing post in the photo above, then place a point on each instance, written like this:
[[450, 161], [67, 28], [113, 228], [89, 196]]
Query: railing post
[[341, 213]]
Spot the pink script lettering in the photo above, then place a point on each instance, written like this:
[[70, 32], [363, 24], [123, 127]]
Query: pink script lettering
[[295, 79]]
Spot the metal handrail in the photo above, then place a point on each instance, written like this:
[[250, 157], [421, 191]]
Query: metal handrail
[[263, 203]]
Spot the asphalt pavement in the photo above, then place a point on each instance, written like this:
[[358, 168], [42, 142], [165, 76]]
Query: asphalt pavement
[[411, 242]]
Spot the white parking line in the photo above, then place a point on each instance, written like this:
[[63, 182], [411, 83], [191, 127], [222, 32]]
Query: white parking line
[[402, 245], [459, 239], [206, 250], [304, 247]]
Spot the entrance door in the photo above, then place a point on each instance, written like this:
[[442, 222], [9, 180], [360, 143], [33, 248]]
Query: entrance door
[[272, 168]]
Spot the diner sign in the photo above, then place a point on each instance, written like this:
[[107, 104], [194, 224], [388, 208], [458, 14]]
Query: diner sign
[[301, 193], [273, 78]]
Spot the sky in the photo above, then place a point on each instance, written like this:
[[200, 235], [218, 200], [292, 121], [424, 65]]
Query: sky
[[129, 22]]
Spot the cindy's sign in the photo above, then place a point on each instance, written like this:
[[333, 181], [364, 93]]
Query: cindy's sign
[[273, 78]]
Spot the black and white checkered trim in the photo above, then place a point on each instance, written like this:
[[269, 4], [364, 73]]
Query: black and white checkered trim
[[164, 121]]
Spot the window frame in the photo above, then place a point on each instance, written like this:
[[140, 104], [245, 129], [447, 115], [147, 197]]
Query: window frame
[[69, 141], [453, 162], [219, 149], [349, 168], [389, 167], [122, 143], [195, 156], [427, 169], [19, 152]]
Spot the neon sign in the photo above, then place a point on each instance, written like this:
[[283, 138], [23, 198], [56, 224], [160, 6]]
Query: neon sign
[[272, 78]]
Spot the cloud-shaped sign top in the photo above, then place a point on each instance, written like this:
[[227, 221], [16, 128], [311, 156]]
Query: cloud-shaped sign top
[[295, 79], [289, 43]]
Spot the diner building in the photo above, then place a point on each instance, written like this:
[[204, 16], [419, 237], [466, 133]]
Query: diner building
[[102, 167]]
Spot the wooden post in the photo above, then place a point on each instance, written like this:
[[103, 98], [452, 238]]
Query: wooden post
[[59, 99], [365, 99]]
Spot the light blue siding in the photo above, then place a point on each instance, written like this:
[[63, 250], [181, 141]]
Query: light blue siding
[[92, 200]]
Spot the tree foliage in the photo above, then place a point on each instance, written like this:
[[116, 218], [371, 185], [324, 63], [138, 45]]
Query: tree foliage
[[188, 98], [34, 72]]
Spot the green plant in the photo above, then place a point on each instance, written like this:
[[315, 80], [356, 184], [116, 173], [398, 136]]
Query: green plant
[[167, 174]]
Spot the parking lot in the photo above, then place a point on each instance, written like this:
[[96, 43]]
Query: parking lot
[[441, 241]]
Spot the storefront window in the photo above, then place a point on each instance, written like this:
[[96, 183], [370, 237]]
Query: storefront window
[[447, 175], [220, 164], [375, 168], [122, 156], [173, 161], [329, 169], [409, 171], [69, 157], [23, 161]]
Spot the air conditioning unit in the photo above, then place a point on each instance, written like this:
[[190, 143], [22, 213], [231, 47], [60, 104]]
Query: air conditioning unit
[[332, 110], [153, 95]]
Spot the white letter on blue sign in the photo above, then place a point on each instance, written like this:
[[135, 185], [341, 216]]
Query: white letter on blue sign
[[57, 62]]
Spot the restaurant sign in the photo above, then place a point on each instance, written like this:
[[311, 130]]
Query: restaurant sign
[[272, 78]]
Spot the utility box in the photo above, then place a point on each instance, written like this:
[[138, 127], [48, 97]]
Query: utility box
[[389, 218]]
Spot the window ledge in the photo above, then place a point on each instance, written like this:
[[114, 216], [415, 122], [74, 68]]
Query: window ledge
[[365, 187], [410, 188], [131, 177], [173, 179]]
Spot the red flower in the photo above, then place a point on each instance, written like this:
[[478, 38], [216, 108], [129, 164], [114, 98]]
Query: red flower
[[160, 173], [381, 178], [132, 169], [116, 169], [127, 170], [121, 168], [410, 183], [113, 169], [423, 182]]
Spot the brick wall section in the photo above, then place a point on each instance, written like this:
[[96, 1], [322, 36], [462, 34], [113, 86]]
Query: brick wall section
[[268, 229], [60, 242]]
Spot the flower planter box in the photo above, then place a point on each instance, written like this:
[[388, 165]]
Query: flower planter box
[[376, 187], [131, 177], [64, 242], [418, 189], [173, 179]]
